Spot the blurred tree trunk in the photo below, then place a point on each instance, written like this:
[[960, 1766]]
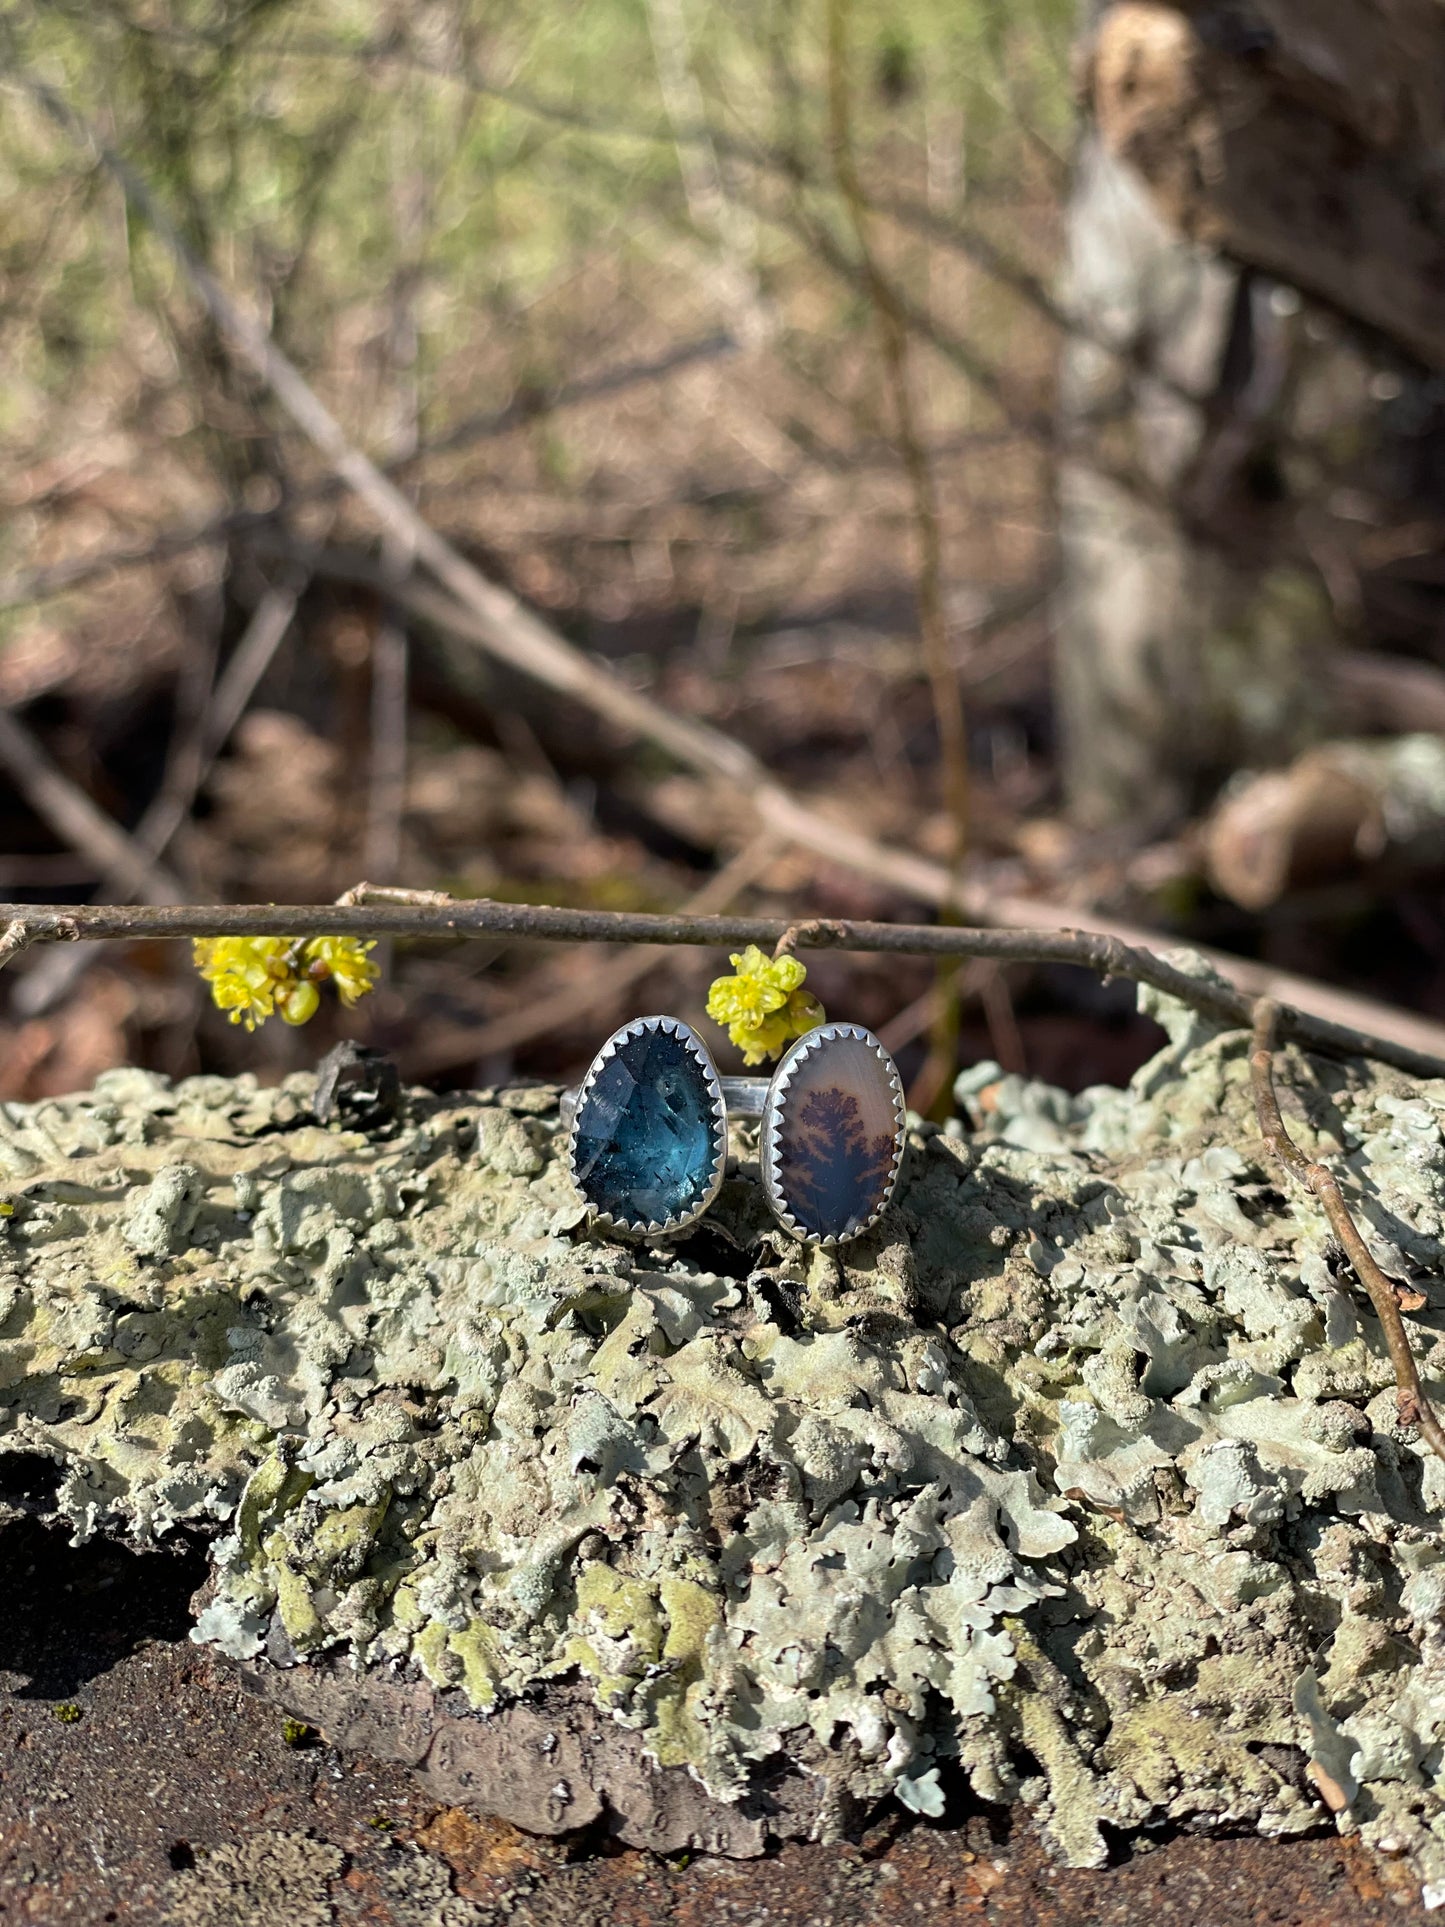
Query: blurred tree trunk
[[1233, 160]]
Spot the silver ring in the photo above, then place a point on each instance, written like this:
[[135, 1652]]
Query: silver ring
[[647, 1137], [830, 1177], [742, 1096], [647, 1131]]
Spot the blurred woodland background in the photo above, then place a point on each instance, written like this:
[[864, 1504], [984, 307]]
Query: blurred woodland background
[[1022, 426]]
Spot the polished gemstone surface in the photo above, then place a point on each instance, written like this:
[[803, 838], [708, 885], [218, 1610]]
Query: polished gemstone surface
[[645, 1146], [836, 1133]]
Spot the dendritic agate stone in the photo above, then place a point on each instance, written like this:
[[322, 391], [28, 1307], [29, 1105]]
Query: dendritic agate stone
[[648, 1139], [833, 1135]]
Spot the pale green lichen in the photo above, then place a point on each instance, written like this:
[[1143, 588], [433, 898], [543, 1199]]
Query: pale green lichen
[[1078, 1470], [273, 1879]]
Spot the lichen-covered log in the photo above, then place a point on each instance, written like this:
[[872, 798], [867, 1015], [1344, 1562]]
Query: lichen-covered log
[[1084, 1471]]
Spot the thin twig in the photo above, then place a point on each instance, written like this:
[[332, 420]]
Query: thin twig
[[56, 976], [785, 163], [956, 981], [510, 630], [185, 763], [386, 787], [593, 986], [795, 934], [1415, 1408], [905, 871], [390, 648], [893, 337], [529, 405], [713, 210], [379, 911], [248, 662], [18, 935], [497, 621], [393, 893]]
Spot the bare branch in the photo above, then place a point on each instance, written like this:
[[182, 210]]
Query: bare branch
[[590, 985], [1415, 1407], [378, 911], [906, 871], [501, 624], [17, 936], [57, 975], [894, 343], [76, 819], [249, 660], [528, 405]]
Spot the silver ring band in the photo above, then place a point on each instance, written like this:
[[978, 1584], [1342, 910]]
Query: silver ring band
[[655, 1155], [743, 1096]]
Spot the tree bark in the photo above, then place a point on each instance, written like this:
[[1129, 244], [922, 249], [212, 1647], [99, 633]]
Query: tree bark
[[1181, 649], [1235, 160], [1300, 137]]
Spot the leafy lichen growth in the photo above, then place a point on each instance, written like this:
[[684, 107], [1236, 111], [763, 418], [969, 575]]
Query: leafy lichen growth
[[1077, 1470], [272, 1880]]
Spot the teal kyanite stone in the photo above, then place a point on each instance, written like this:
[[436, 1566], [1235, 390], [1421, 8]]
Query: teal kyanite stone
[[645, 1144]]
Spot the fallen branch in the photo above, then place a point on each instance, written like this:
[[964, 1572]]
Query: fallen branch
[[528, 405], [1341, 810], [498, 622], [1415, 1407], [372, 910], [714, 754], [591, 986], [57, 975]]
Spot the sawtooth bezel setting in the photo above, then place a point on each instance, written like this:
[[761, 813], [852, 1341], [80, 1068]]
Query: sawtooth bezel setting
[[770, 1148], [639, 1227]]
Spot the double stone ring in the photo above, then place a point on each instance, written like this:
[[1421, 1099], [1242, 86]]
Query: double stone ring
[[648, 1137]]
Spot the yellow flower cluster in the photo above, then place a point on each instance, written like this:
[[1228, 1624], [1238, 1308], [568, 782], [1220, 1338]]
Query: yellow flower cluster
[[764, 1007], [259, 977]]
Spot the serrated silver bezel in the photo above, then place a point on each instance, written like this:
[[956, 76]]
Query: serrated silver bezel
[[653, 1227], [770, 1154]]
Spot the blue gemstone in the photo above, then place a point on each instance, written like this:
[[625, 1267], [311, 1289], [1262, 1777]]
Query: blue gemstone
[[645, 1143]]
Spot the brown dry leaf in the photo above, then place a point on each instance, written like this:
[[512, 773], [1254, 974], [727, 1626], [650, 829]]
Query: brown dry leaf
[[49, 1056], [482, 1853]]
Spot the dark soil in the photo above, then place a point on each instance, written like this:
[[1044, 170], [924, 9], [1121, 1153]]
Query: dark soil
[[139, 1784]]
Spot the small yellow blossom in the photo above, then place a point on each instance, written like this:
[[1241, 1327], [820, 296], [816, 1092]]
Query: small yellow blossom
[[259, 977], [346, 961], [244, 973], [764, 1007], [298, 1001]]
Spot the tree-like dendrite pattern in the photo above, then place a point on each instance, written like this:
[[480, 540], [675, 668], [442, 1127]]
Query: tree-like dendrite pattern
[[833, 1172]]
